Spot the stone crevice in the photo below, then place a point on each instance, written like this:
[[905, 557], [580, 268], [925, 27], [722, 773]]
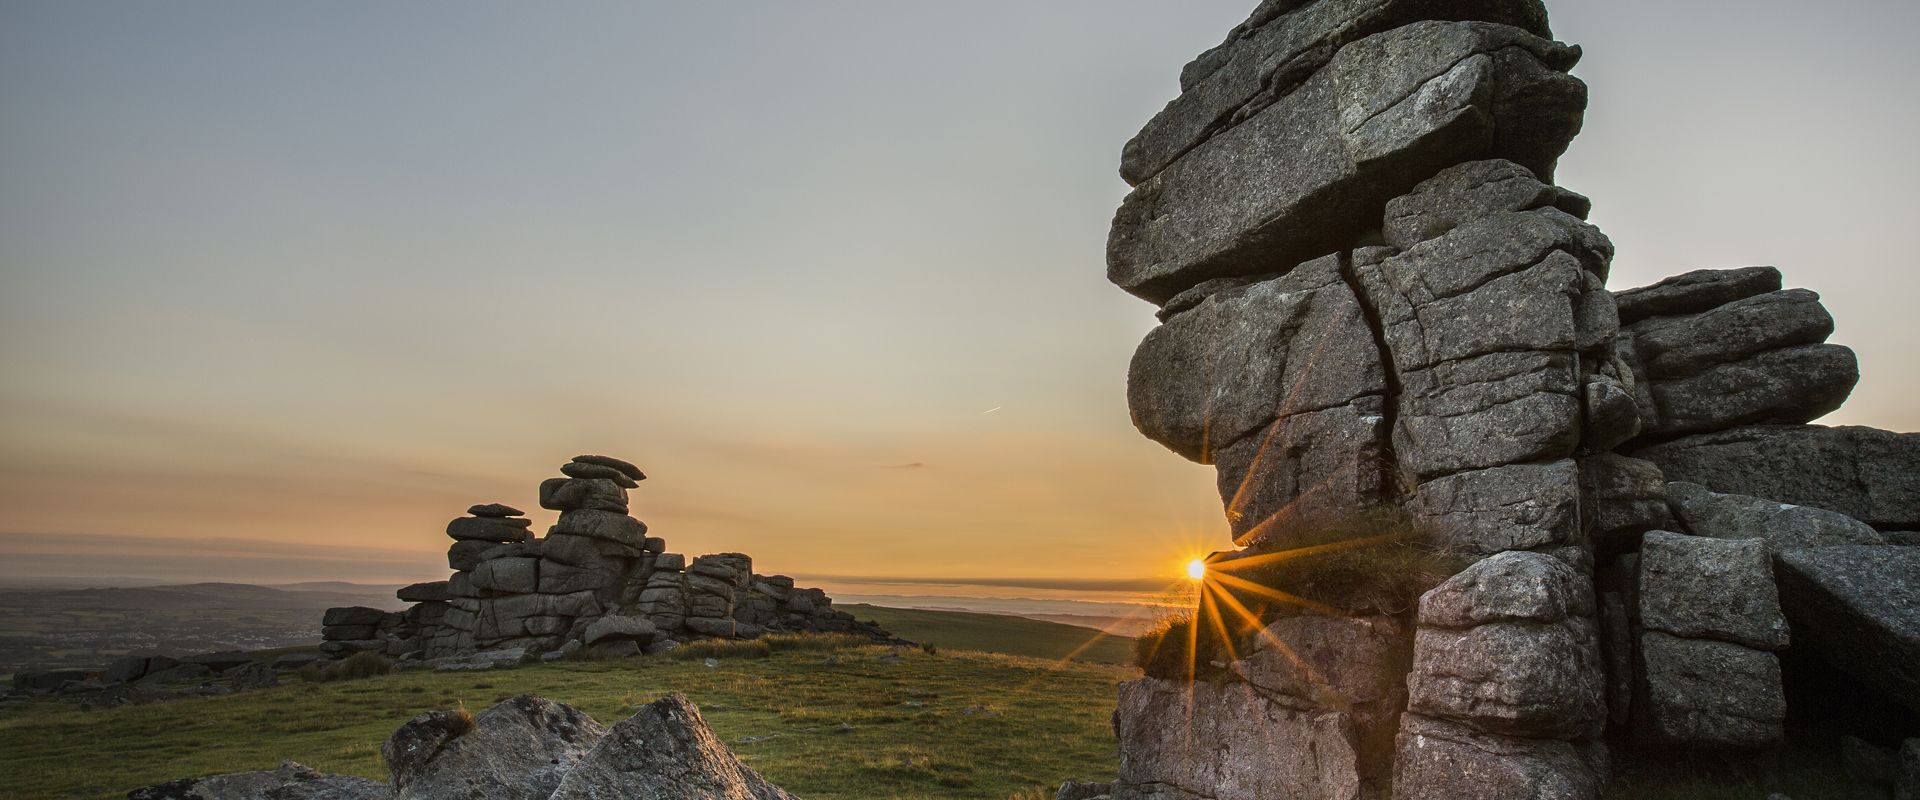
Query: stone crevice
[[1389, 462]]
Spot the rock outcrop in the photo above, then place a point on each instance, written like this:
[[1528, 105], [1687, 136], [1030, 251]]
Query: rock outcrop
[[525, 748], [596, 579], [1373, 299], [292, 781]]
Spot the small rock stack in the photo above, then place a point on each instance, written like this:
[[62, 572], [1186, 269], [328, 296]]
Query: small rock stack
[[1375, 300], [596, 580]]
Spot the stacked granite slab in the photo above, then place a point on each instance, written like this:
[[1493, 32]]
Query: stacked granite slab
[[595, 580], [1372, 295]]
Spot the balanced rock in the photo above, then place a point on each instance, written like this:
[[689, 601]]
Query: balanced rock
[[577, 469], [424, 592], [488, 529], [567, 494], [625, 468], [495, 510]]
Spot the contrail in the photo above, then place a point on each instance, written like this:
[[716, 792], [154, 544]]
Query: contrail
[[991, 410]]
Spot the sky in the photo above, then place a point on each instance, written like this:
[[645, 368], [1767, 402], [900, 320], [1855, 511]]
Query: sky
[[285, 287]]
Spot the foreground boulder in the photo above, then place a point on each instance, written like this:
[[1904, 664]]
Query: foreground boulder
[[292, 781], [665, 751], [517, 750]]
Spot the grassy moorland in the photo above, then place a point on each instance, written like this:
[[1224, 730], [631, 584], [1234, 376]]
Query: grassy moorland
[[998, 633], [951, 725]]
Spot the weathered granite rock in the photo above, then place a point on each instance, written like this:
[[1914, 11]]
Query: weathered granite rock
[[1467, 192], [577, 469], [508, 575], [1515, 507], [1783, 526], [1509, 587], [558, 578], [1524, 679], [1695, 292], [1084, 790], [1441, 760], [665, 751], [353, 615], [1483, 324], [1859, 607], [1229, 742], [567, 494], [1273, 52], [424, 592], [1702, 693], [254, 675], [465, 556], [517, 750], [488, 529], [600, 524], [1331, 662], [292, 781], [1868, 474], [626, 468], [1792, 384], [1303, 467], [1702, 588], [1308, 174], [495, 510], [611, 627], [1624, 497], [1678, 346], [1246, 356]]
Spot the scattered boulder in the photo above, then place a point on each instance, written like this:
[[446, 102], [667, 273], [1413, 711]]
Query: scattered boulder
[[254, 675], [292, 781], [665, 751], [517, 750]]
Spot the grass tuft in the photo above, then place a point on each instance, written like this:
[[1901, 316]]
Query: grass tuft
[[721, 648], [815, 642]]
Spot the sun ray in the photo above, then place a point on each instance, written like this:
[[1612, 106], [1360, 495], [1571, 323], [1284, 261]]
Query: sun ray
[[1299, 552], [1281, 596], [1313, 675]]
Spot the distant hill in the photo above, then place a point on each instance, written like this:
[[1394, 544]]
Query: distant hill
[[196, 596], [997, 633]]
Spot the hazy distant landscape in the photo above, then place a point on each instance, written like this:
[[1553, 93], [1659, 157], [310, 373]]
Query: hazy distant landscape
[[85, 628]]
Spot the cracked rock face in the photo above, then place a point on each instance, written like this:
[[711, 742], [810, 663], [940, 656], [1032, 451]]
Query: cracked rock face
[[517, 750], [1374, 299]]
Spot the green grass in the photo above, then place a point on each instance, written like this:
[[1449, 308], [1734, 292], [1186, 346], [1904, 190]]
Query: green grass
[[996, 633], [1051, 725]]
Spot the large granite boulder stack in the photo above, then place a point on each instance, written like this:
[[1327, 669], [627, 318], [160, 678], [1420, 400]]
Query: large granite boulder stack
[[1373, 298], [595, 580]]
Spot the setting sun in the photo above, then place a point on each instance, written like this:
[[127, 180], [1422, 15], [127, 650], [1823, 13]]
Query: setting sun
[[1196, 569]]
